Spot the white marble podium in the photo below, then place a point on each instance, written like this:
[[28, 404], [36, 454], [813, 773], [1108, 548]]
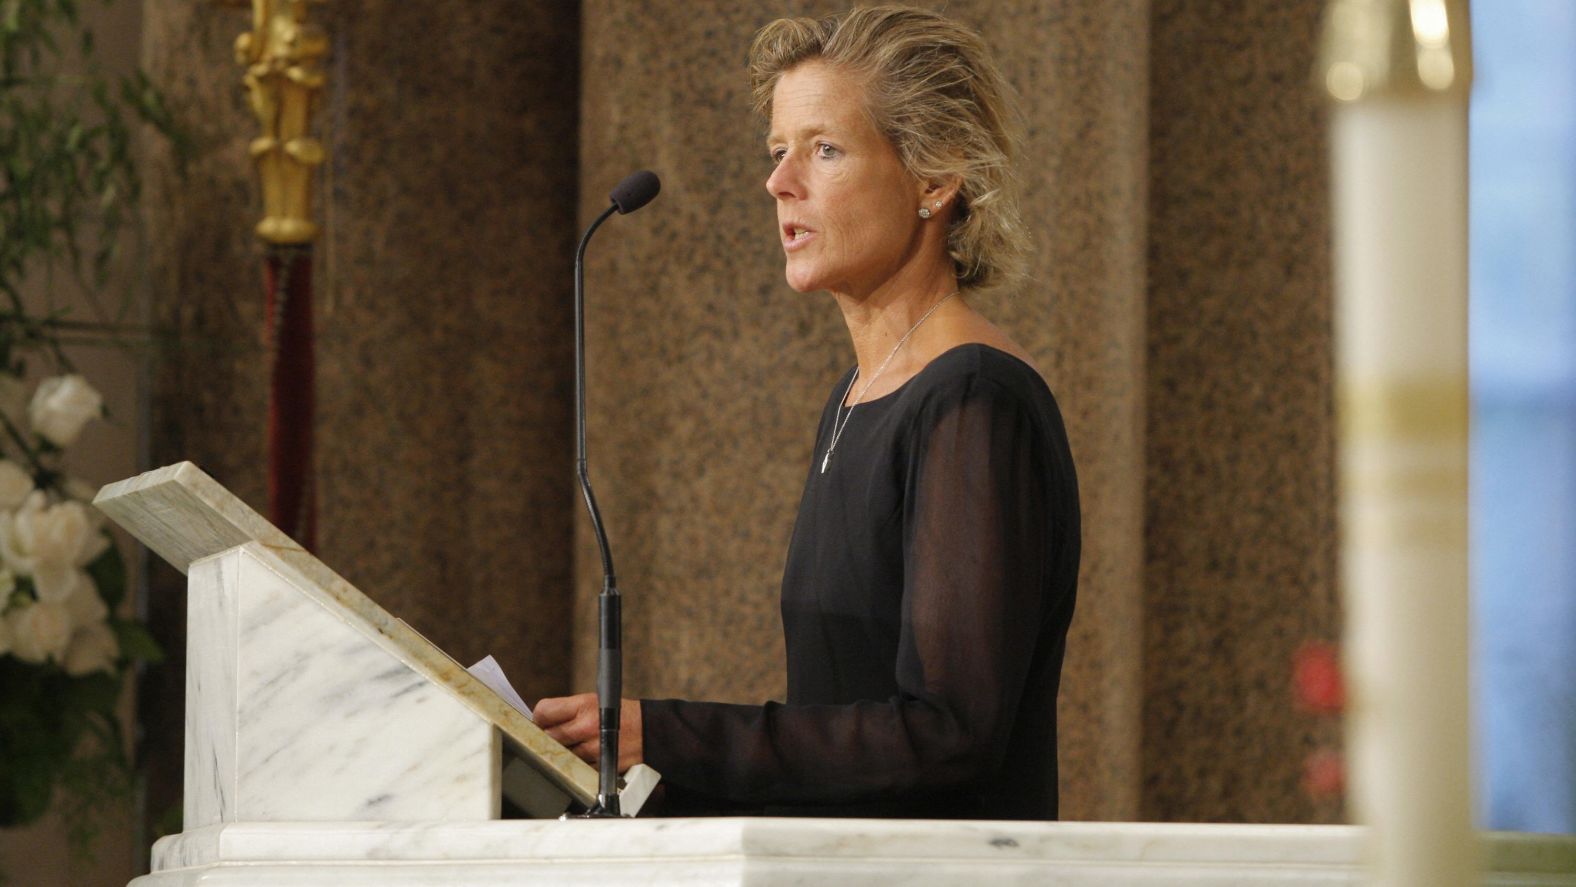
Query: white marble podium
[[327, 743], [306, 701], [781, 852]]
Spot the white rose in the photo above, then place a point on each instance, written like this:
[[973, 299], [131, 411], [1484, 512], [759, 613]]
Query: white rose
[[40, 631], [92, 648], [84, 603], [54, 582], [16, 533], [61, 406], [39, 538], [77, 488], [74, 531], [15, 484]]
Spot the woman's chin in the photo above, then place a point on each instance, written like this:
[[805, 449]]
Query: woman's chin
[[802, 283]]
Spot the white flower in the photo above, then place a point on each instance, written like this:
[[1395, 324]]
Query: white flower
[[40, 539], [15, 484], [16, 534], [77, 488], [92, 648], [83, 602], [40, 631], [61, 406], [54, 582], [72, 587]]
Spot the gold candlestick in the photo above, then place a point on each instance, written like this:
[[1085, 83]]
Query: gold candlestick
[[281, 55]]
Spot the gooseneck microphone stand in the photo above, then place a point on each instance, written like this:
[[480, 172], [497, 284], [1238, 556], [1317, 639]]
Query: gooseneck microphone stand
[[631, 194]]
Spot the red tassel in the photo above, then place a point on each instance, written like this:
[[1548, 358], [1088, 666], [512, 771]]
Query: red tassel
[[288, 284]]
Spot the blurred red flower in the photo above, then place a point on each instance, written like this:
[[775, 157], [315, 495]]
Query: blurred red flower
[[1317, 676]]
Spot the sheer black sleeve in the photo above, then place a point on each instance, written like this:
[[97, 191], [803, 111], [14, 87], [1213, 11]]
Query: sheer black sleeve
[[980, 617]]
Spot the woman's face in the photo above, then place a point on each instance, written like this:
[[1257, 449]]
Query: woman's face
[[847, 209]]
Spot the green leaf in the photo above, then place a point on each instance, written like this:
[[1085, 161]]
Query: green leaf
[[136, 643], [108, 572], [26, 786], [94, 693]]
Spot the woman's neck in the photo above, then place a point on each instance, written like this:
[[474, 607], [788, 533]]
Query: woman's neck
[[878, 320]]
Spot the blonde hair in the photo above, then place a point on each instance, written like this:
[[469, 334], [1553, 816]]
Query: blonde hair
[[933, 90]]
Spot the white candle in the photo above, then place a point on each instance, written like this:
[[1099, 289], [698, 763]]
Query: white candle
[[1399, 139]]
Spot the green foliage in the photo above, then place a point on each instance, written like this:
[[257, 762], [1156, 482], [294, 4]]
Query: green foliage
[[68, 191], [60, 730], [109, 574], [67, 171], [136, 642]]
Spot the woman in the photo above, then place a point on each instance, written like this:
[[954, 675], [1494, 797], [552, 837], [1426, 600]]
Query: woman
[[931, 576]]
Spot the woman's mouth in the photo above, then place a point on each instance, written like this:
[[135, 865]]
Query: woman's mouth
[[796, 236]]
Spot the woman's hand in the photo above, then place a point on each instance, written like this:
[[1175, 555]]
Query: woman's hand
[[573, 721]]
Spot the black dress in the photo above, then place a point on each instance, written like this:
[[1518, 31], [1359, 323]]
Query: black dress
[[925, 605]]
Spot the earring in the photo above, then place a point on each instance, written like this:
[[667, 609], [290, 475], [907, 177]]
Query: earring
[[924, 212], [937, 205]]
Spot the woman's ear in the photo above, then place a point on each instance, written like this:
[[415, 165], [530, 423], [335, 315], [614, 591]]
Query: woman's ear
[[939, 194]]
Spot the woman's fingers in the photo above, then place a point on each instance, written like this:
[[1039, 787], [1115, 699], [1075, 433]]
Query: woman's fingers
[[589, 751], [575, 723], [581, 729], [569, 720], [557, 709]]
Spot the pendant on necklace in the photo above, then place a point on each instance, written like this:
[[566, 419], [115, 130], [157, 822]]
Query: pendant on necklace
[[825, 459]]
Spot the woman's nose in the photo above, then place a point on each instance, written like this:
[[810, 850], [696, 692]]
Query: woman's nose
[[784, 180]]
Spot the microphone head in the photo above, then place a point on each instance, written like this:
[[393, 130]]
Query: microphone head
[[635, 191]]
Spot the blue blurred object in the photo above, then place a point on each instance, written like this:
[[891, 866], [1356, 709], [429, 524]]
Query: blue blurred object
[[1523, 351]]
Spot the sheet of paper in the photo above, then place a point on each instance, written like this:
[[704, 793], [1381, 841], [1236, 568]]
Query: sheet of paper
[[488, 672]]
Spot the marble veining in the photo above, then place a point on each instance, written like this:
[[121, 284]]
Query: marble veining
[[210, 692], [296, 715]]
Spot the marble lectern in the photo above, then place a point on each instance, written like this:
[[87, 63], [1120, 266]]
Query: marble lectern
[[330, 745], [306, 701]]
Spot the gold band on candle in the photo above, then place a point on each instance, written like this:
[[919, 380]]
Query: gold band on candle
[[1402, 410]]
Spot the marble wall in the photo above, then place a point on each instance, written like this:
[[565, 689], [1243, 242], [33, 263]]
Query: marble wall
[[1180, 310], [1239, 540], [1175, 184], [710, 372]]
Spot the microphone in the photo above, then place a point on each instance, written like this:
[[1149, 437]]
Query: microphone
[[635, 191]]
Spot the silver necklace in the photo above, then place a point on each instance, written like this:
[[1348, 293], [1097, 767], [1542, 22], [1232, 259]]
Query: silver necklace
[[838, 426]]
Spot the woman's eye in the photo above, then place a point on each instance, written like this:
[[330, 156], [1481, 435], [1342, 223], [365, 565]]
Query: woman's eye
[[777, 155], [824, 150]]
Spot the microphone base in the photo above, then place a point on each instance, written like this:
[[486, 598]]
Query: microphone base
[[605, 808]]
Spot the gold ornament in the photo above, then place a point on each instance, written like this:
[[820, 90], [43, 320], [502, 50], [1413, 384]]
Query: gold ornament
[[281, 55]]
